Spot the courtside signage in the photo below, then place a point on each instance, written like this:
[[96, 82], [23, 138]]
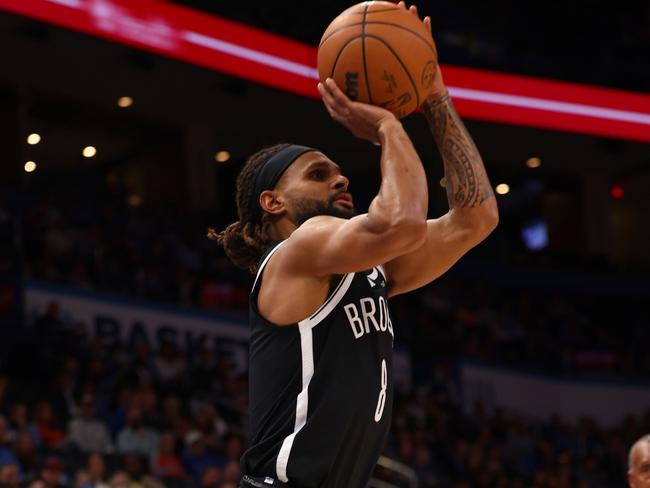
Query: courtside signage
[[249, 53], [125, 323], [542, 397]]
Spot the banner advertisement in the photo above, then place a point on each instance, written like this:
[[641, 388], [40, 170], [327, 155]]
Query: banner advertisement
[[126, 323], [240, 50], [607, 402]]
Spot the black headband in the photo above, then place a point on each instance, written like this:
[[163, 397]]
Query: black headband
[[267, 175]]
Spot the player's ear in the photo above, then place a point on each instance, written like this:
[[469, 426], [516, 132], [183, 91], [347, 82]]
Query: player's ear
[[271, 202]]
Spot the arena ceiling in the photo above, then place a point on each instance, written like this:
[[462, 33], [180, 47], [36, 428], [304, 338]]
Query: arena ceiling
[[68, 85]]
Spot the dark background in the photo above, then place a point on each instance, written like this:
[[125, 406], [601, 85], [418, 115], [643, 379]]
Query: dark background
[[131, 222]]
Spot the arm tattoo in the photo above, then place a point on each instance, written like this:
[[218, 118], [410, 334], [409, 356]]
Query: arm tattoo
[[467, 183]]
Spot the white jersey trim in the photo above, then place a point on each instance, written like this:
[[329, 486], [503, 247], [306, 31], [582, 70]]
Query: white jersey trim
[[266, 260], [307, 352], [382, 270]]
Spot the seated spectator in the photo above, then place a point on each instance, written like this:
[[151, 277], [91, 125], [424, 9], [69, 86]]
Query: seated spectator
[[52, 473], [96, 469], [6, 454], [211, 424], [234, 448], [173, 417], [19, 422], [49, 432], [195, 457], [9, 476], [136, 467], [82, 480], [27, 455], [211, 478], [135, 437], [115, 411], [166, 464], [120, 480], [232, 472], [170, 366], [87, 432], [147, 399]]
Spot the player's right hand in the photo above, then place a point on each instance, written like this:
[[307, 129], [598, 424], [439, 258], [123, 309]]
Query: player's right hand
[[362, 119]]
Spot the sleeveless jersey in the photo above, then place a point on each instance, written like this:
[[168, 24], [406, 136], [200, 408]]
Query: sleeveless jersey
[[321, 390]]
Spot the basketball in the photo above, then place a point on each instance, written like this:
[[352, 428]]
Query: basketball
[[381, 54]]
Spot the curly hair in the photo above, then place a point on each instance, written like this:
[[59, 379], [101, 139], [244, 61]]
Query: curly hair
[[245, 242]]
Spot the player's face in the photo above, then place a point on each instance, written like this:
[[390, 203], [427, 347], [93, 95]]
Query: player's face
[[315, 186], [639, 474]]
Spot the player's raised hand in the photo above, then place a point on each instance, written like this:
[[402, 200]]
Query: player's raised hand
[[414, 10], [362, 119], [439, 89]]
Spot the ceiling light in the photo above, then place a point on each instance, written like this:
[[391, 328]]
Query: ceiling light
[[124, 102], [533, 162], [135, 200], [33, 139], [89, 151], [502, 188], [30, 166], [222, 156]]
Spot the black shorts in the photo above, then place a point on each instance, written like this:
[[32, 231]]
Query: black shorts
[[260, 482]]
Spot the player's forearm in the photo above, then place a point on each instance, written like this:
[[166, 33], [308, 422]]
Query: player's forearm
[[469, 191], [403, 195]]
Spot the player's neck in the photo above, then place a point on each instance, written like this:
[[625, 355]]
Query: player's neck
[[282, 228]]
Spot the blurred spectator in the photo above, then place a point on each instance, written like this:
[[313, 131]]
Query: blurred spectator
[[9, 476], [166, 464], [234, 448], [195, 457], [211, 478], [87, 432], [169, 365], [82, 480], [27, 455], [115, 413], [231, 472], [19, 421], [6, 454], [120, 480], [136, 467], [45, 422], [52, 473], [172, 416], [211, 425], [135, 437], [96, 471]]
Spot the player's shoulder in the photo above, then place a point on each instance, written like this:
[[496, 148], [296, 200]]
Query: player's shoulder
[[320, 224], [304, 243]]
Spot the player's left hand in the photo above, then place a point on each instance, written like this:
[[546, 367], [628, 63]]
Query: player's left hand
[[439, 89]]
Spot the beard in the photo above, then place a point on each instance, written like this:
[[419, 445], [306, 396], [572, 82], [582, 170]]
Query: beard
[[306, 208]]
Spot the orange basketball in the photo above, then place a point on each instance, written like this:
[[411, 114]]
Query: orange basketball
[[381, 54]]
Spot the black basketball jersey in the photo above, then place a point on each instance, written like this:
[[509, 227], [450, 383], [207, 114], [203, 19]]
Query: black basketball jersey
[[321, 390]]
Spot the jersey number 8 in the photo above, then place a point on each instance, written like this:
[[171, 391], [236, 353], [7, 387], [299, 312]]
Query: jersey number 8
[[381, 401]]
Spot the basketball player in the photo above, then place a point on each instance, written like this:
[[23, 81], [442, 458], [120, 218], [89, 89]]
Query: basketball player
[[638, 466], [321, 386]]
